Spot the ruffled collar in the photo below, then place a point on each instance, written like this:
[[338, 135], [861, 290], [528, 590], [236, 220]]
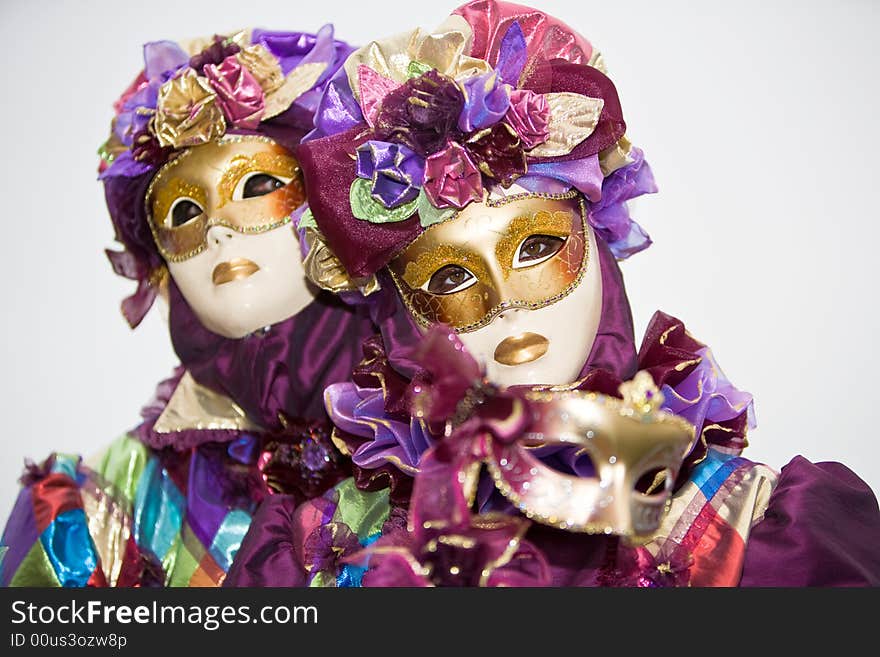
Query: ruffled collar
[[374, 425]]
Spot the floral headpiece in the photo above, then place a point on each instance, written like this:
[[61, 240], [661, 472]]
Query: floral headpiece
[[418, 126], [250, 82]]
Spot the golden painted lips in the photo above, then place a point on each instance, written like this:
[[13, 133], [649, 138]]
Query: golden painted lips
[[520, 349], [233, 270]]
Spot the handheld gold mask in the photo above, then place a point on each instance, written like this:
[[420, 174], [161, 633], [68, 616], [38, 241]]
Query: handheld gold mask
[[248, 184], [523, 251], [637, 450]]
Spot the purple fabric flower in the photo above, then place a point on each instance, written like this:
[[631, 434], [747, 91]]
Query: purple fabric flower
[[529, 116], [301, 460], [162, 59], [422, 113], [126, 166], [361, 412], [238, 92], [396, 172], [135, 108], [610, 216], [706, 396], [486, 99], [295, 48], [327, 545], [498, 153], [452, 179], [337, 109], [136, 114]]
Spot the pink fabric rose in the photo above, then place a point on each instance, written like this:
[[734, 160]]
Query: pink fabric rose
[[529, 115], [239, 94], [451, 178]]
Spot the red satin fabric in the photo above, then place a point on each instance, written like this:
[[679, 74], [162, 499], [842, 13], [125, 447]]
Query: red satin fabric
[[52, 496]]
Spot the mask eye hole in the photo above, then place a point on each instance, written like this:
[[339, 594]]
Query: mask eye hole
[[256, 184], [449, 280], [653, 482], [536, 249], [182, 211]]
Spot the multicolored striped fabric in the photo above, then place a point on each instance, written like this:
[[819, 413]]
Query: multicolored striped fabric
[[701, 541], [706, 530], [337, 524], [132, 517]]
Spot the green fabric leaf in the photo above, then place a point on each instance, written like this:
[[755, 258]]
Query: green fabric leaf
[[307, 220], [365, 207], [417, 69], [428, 214], [364, 512]]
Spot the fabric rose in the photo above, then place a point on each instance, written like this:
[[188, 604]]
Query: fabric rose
[[452, 179], [239, 93], [361, 413], [487, 551], [146, 148], [486, 101], [422, 113], [498, 153], [326, 546], [219, 50], [395, 171], [263, 66], [638, 568], [187, 113], [529, 116], [301, 460]]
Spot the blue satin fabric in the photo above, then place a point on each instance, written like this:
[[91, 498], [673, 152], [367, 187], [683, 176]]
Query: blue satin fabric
[[158, 510], [69, 547]]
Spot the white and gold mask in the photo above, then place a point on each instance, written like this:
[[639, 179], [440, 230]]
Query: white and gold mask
[[516, 278], [220, 216]]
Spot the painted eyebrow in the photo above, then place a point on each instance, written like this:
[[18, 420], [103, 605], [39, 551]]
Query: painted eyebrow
[[428, 263], [271, 163], [171, 190], [557, 223]]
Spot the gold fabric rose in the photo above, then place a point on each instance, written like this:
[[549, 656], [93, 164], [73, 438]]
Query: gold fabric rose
[[442, 49], [187, 113]]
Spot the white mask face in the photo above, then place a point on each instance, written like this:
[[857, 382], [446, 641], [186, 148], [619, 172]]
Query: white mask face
[[241, 283], [220, 214], [567, 328], [518, 279]]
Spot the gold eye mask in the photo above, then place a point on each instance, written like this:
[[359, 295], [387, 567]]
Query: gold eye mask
[[209, 175], [484, 239]]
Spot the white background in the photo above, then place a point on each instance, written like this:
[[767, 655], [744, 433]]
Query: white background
[[758, 118]]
